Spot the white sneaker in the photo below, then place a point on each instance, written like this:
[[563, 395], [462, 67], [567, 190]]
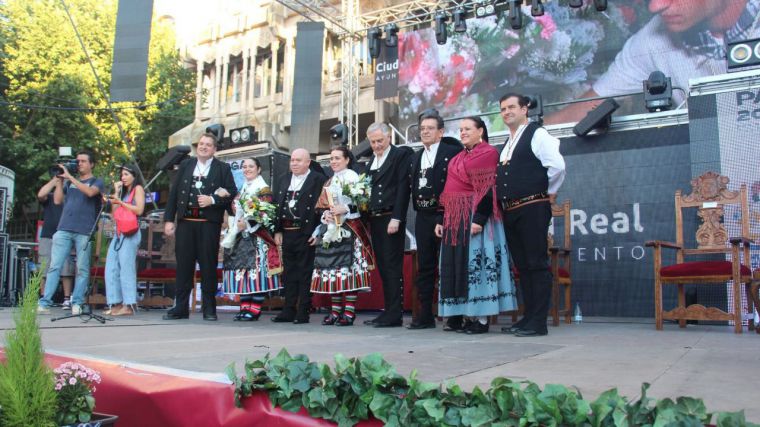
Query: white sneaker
[[76, 309], [42, 310], [66, 304]]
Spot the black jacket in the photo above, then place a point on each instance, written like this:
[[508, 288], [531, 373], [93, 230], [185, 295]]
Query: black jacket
[[436, 177], [390, 183], [306, 202], [219, 176]]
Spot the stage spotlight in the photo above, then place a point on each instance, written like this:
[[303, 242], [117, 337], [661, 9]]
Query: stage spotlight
[[658, 92], [243, 135], [391, 35], [601, 5], [339, 134], [460, 20], [598, 118], [537, 8], [743, 53], [441, 33], [373, 40], [536, 109], [216, 130], [515, 14], [575, 3], [485, 8]]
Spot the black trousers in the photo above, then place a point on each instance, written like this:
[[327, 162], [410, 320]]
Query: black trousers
[[297, 267], [428, 246], [526, 230], [389, 254], [196, 241]]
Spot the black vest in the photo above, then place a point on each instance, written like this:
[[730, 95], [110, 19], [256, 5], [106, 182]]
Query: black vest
[[523, 175]]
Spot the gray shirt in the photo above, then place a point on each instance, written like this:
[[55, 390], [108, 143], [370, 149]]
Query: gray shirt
[[79, 211]]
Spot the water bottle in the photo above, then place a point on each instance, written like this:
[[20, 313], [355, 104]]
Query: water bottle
[[578, 316]]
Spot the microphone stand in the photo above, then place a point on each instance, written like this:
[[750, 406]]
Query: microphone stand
[[86, 314]]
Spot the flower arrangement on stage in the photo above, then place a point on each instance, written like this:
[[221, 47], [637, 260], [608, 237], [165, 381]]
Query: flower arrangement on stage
[[359, 192], [557, 55], [74, 385], [259, 211]]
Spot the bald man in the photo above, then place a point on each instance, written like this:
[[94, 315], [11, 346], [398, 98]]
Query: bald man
[[296, 195]]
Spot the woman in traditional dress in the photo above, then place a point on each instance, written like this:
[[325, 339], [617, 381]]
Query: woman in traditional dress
[[343, 256], [474, 270], [251, 257]]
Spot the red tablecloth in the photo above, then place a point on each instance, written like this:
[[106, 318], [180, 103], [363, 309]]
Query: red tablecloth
[[155, 397]]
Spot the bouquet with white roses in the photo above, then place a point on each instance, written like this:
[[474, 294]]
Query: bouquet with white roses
[[359, 192], [259, 211]]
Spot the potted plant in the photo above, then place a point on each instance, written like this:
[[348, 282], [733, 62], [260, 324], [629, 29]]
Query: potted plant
[[74, 386]]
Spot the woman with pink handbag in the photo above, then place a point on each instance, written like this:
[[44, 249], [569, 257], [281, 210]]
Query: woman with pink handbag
[[127, 203]]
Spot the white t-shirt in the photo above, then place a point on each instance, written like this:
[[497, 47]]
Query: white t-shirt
[[654, 48]]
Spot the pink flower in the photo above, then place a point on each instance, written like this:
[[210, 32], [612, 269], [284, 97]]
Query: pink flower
[[548, 26], [511, 51], [72, 381]]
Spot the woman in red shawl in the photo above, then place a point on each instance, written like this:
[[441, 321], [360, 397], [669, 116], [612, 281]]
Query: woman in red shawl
[[474, 264]]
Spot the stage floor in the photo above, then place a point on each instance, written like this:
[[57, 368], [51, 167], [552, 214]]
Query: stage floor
[[710, 362]]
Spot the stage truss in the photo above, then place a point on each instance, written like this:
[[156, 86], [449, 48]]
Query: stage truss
[[351, 26]]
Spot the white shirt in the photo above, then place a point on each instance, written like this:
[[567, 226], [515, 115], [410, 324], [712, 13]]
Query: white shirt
[[428, 155], [546, 149], [377, 163], [653, 48], [202, 168], [296, 181]]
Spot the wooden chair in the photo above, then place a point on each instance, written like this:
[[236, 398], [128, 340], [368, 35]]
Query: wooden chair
[[710, 196], [153, 275], [559, 257]]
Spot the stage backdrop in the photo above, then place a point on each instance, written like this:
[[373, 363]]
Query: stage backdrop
[[561, 55], [621, 186]]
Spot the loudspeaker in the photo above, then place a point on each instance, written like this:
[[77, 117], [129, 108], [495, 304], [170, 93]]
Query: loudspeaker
[[363, 149], [173, 156], [599, 117], [130, 50]]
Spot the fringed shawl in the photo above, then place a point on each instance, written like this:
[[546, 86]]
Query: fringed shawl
[[471, 175]]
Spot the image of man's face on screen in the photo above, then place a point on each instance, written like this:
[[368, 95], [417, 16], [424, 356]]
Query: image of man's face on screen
[[681, 15]]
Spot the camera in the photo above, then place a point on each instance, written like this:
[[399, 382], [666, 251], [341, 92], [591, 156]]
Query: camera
[[71, 165], [64, 158]]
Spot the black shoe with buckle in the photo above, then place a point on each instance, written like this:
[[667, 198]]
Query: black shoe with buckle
[[278, 319], [388, 323], [421, 325], [477, 328], [170, 315], [371, 322], [330, 319], [465, 327], [530, 333], [345, 320]]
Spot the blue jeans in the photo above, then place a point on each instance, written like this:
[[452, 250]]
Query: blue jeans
[[121, 270], [63, 241]]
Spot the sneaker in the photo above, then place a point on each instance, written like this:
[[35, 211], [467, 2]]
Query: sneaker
[[42, 310], [66, 304], [76, 309]]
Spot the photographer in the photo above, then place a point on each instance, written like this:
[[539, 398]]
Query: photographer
[[51, 215], [81, 200]]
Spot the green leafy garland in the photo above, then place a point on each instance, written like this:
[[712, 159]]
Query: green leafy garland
[[360, 387]]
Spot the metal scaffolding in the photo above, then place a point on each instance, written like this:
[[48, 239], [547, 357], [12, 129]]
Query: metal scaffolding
[[351, 26]]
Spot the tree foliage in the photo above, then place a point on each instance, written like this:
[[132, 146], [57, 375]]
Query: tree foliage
[[43, 64]]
